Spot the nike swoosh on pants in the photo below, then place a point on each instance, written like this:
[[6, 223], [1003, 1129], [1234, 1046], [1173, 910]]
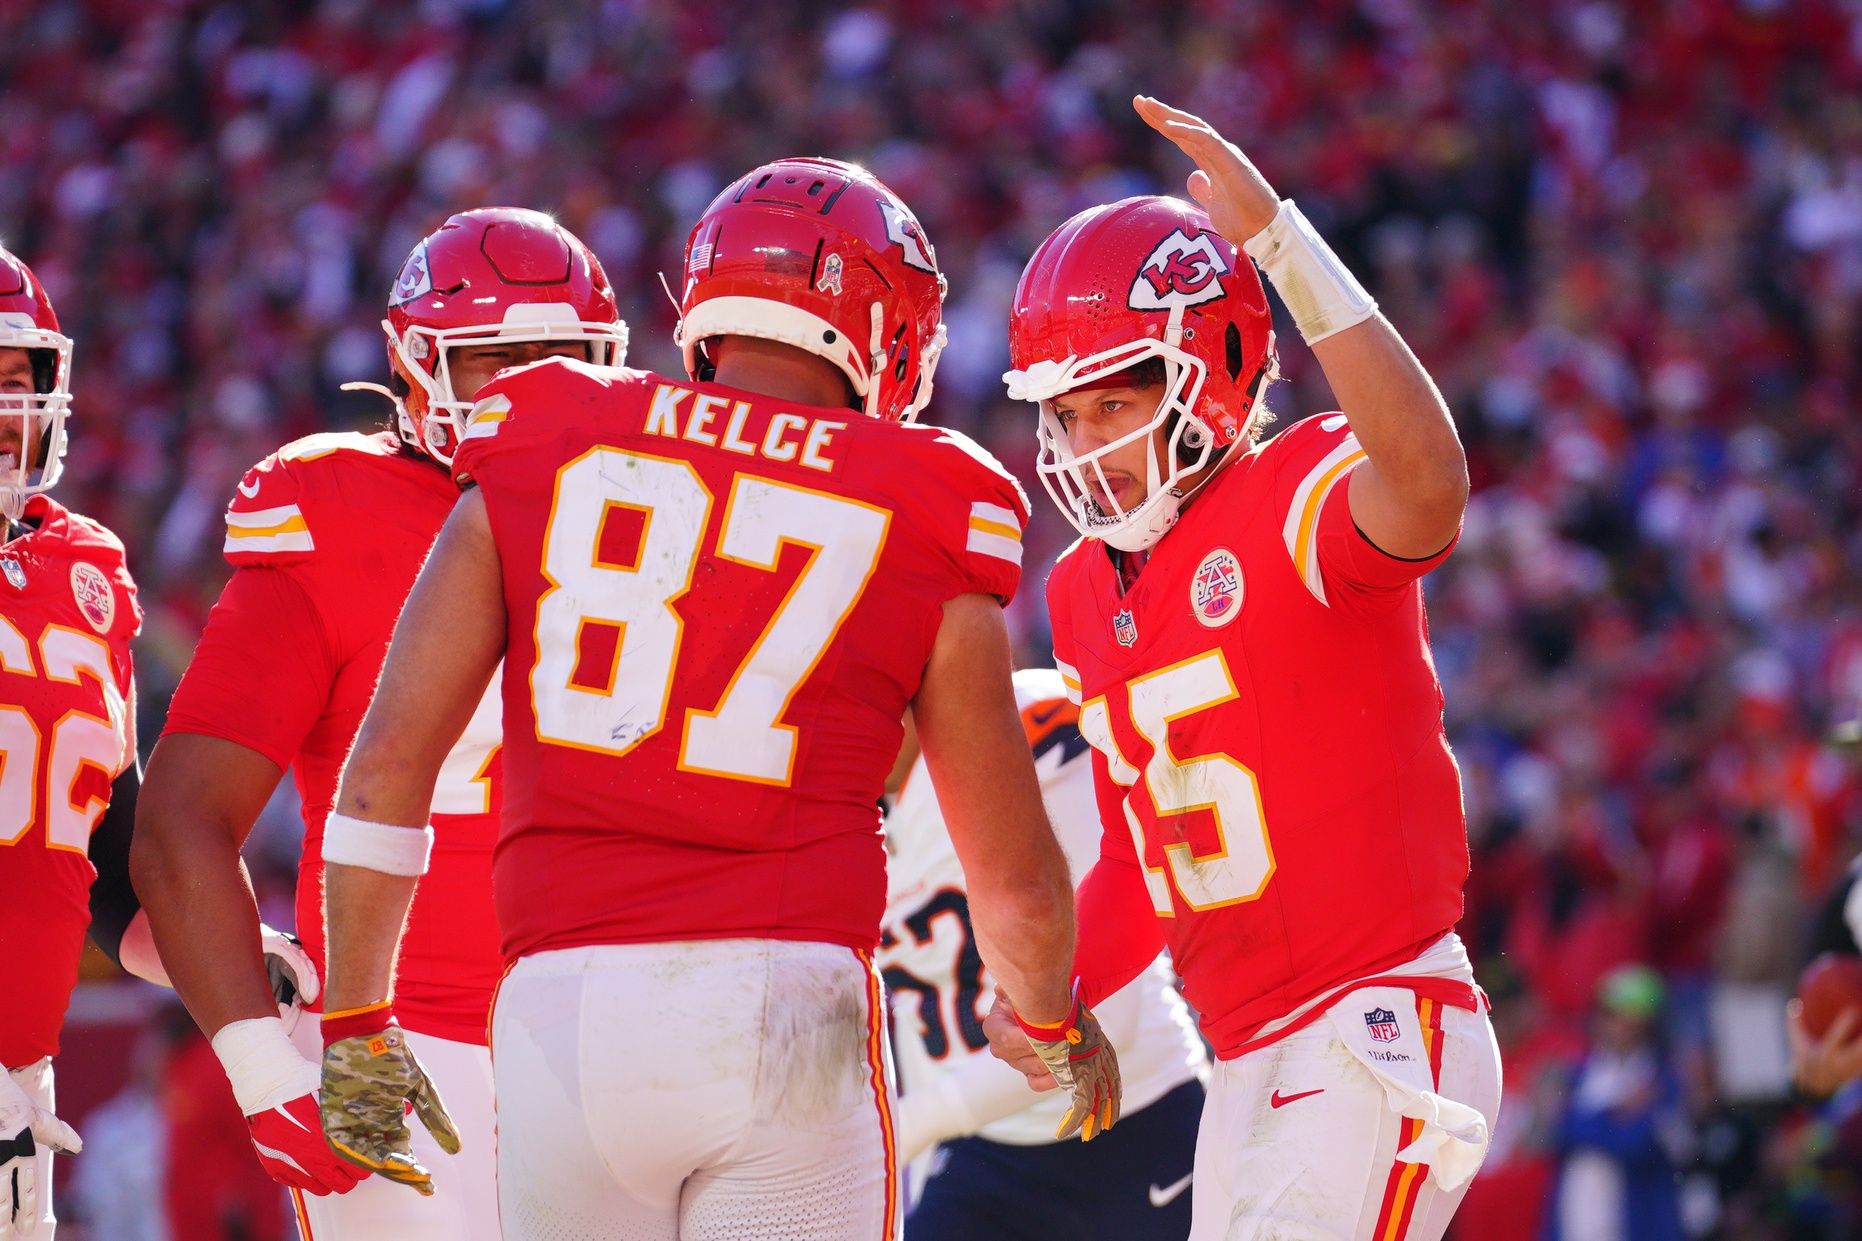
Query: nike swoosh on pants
[[1165, 1196]]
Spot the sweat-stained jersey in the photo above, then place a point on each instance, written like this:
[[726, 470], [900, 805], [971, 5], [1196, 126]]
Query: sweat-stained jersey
[[939, 988], [1273, 774], [326, 537], [719, 606], [67, 612]]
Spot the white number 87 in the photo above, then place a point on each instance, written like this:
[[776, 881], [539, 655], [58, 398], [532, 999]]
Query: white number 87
[[744, 737]]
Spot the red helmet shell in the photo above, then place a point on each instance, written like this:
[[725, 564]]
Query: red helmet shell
[[1145, 278], [1118, 274], [495, 274], [819, 254], [27, 321]]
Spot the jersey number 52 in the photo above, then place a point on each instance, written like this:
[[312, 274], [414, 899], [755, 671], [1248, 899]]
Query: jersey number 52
[[77, 741]]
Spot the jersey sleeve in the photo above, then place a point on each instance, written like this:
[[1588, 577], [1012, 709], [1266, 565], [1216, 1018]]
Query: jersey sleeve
[[1315, 461], [266, 523], [987, 511], [263, 670]]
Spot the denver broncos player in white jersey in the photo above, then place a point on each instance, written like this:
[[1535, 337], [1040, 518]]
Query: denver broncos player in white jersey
[[995, 1167]]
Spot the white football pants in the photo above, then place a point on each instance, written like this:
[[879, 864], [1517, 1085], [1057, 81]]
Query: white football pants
[[464, 1205], [1300, 1139], [716, 1090]]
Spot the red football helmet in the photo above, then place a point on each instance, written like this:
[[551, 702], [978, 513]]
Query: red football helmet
[[28, 322], [820, 255], [496, 275], [1112, 287]]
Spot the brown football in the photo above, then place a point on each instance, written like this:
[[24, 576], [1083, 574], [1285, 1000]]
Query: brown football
[[1830, 984]]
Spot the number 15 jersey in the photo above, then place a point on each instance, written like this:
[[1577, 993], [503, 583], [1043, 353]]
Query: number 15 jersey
[[719, 607], [1270, 758]]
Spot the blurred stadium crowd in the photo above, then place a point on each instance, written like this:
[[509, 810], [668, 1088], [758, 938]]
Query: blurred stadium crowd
[[1624, 235]]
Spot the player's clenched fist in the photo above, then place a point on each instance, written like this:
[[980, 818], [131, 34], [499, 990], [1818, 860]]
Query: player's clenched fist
[[370, 1075], [1080, 1059]]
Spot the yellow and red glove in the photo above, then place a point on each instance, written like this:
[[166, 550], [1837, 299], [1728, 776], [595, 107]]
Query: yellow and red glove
[[1081, 1059], [370, 1078]]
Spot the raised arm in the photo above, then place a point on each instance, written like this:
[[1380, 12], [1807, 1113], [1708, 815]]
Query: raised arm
[[1408, 497]]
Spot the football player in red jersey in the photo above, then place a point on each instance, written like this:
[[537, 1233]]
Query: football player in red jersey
[[67, 740], [325, 537], [1243, 626], [714, 598]]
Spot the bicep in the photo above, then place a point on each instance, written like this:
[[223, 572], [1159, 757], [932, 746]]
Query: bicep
[[202, 788], [1395, 525], [264, 670]]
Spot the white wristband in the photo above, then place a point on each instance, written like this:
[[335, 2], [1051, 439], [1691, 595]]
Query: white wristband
[[1320, 291], [263, 1066], [384, 847]]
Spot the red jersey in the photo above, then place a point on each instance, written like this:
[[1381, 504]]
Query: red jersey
[[67, 612], [1271, 764], [720, 605], [325, 538]]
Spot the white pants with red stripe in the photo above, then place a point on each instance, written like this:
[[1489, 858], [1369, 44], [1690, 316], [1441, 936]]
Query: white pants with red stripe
[[464, 1205], [1300, 1139], [712, 1090]]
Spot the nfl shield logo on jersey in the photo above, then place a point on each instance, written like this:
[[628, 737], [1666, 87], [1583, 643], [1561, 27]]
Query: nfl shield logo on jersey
[[1215, 589], [1383, 1025], [15, 576], [1124, 627]]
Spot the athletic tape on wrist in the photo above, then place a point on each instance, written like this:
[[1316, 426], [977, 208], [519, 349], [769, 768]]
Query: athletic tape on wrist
[[1319, 290], [262, 1065], [349, 841]]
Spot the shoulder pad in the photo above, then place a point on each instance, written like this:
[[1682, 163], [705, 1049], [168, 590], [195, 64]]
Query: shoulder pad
[[270, 518], [96, 544], [979, 469], [509, 399]]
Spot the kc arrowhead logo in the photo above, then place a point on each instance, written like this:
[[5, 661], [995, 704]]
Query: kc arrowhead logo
[[1180, 271]]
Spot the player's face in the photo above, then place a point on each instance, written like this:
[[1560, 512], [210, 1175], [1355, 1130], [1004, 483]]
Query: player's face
[[15, 422], [474, 365], [1099, 416]]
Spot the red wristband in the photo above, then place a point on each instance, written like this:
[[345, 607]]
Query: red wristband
[[350, 1022], [1068, 1025]]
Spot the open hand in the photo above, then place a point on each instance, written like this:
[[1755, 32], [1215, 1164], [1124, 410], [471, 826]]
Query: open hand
[[1226, 183]]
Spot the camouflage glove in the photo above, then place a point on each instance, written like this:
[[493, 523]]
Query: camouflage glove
[[370, 1077], [1081, 1059]]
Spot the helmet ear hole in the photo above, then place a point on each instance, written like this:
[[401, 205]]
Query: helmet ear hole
[[44, 369], [1232, 346]]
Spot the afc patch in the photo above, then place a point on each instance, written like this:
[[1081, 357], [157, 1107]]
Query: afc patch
[[1216, 589], [1125, 627], [15, 574], [1383, 1025], [94, 597]]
